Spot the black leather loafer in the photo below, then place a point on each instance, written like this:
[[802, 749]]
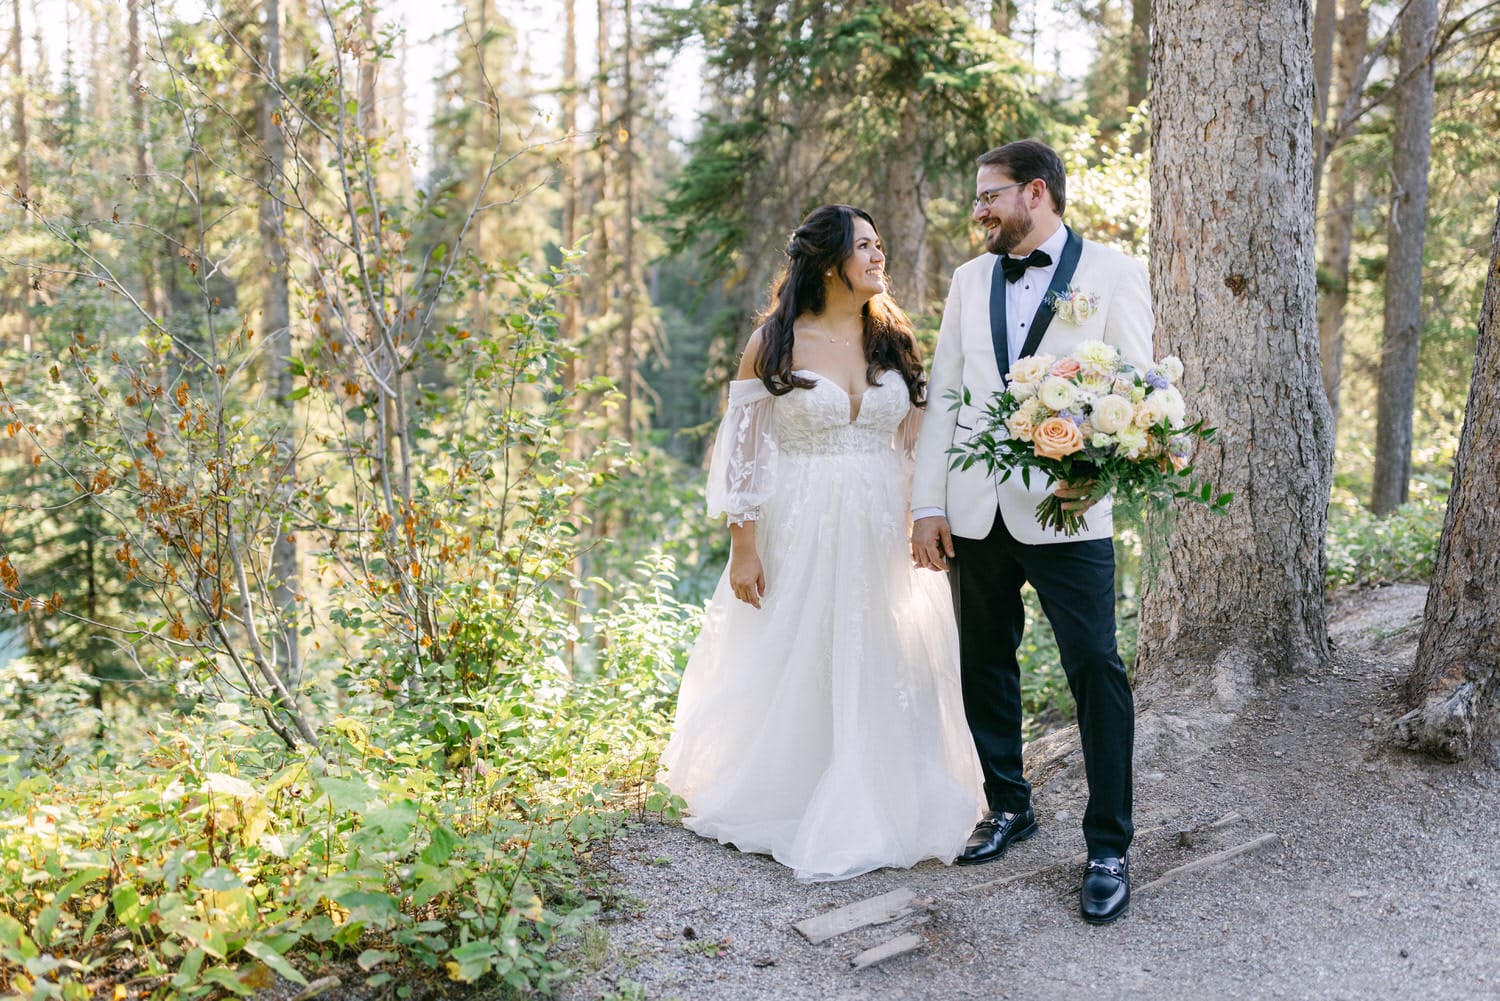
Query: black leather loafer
[[1106, 890], [995, 832]]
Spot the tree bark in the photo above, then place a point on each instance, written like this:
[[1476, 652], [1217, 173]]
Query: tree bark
[[1454, 686], [1140, 57], [1401, 338], [134, 82], [628, 285], [1338, 208], [1324, 17], [21, 167], [1236, 601], [276, 327], [903, 220], [1002, 12]]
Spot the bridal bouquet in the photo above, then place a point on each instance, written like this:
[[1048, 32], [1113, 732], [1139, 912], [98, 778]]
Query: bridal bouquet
[[1090, 418]]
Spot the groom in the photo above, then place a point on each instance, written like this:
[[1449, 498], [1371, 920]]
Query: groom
[[985, 533]]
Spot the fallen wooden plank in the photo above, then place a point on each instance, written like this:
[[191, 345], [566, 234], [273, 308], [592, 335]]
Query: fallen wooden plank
[[872, 911], [898, 946], [1209, 861]]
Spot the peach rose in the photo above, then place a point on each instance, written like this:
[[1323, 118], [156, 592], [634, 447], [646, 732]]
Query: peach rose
[[1056, 437], [1065, 368]]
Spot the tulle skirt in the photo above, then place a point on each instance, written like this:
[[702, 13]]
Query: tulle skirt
[[826, 728]]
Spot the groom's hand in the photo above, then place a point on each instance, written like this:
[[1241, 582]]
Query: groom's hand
[[931, 543], [1075, 495]]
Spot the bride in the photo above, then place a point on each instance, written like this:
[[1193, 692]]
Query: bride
[[820, 718]]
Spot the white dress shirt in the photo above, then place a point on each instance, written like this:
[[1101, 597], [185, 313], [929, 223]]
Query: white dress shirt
[[1023, 297]]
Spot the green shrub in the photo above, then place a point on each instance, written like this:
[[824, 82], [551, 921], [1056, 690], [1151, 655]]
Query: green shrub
[[1365, 550]]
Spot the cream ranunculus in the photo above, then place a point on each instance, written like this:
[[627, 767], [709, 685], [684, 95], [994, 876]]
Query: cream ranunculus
[[1083, 307], [1099, 360], [1101, 440], [1171, 367], [1056, 394], [1056, 437], [1032, 368], [1111, 413], [1131, 440], [1172, 403], [1150, 411]]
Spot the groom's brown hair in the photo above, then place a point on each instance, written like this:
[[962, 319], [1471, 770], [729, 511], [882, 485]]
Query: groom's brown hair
[[1029, 160]]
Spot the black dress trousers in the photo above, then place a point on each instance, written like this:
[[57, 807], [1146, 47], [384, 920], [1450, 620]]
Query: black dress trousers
[[1076, 584]]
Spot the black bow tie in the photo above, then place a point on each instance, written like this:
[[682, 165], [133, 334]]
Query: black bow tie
[[1015, 267]]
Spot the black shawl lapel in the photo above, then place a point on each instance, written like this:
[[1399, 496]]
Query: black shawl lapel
[[998, 334], [1060, 279]]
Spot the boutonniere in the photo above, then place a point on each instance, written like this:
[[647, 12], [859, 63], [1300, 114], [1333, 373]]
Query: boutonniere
[[1074, 306]]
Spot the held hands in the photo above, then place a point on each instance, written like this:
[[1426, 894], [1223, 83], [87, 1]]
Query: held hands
[[931, 543], [746, 577]]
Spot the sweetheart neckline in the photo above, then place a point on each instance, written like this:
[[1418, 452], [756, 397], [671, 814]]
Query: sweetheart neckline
[[854, 413]]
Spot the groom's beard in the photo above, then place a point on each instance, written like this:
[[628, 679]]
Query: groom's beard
[[1011, 231]]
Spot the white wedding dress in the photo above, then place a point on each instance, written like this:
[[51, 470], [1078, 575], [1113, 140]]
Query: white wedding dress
[[825, 728]]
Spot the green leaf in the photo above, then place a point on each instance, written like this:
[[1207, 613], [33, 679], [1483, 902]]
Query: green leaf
[[219, 878], [348, 795], [47, 920], [371, 958], [276, 961]]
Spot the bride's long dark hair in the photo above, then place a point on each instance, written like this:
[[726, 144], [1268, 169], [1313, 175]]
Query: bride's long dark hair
[[823, 242]]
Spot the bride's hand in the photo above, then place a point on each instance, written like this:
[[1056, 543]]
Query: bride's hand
[[746, 577]]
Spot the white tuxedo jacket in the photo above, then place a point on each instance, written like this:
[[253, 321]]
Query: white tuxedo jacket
[[965, 358]]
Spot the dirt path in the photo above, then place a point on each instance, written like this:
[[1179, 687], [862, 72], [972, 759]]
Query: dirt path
[[1383, 881]]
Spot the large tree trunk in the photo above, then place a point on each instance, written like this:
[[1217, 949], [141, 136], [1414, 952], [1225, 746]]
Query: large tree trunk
[[276, 320], [1454, 685], [1238, 600], [1405, 231], [1338, 206]]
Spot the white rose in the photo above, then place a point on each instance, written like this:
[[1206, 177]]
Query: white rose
[[1031, 369], [1171, 367], [1111, 413], [1023, 421], [1056, 394]]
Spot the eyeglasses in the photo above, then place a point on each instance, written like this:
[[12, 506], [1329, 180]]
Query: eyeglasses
[[987, 198]]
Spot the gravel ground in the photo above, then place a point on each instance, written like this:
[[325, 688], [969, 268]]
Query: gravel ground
[[1382, 881]]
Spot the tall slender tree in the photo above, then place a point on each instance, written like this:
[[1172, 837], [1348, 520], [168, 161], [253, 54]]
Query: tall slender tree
[[1406, 237], [21, 165], [1336, 250], [276, 323], [1240, 600], [1454, 685]]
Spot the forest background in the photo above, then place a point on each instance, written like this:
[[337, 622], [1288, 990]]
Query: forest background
[[353, 534]]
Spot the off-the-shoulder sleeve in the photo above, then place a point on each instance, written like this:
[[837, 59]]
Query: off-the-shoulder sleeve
[[742, 469], [907, 431]]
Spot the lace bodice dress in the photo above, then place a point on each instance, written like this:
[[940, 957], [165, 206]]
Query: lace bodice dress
[[825, 728]]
